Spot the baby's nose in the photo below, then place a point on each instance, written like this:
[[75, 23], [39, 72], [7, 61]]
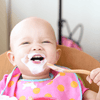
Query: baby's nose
[[37, 48]]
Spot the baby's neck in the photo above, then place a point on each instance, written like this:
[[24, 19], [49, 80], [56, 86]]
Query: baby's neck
[[35, 77]]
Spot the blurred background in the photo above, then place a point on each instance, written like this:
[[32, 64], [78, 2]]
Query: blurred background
[[85, 12]]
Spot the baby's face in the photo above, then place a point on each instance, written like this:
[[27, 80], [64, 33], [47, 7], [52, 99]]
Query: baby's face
[[33, 37]]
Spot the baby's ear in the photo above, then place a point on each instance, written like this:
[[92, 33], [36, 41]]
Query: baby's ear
[[58, 54], [11, 57]]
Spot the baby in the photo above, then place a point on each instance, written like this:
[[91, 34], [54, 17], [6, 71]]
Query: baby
[[33, 45]]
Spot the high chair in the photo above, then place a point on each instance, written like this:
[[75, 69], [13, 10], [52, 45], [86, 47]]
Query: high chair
[[70, 57]]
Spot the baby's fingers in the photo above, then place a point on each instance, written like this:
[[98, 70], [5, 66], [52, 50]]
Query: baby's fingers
[[95, 75], [96, 78], [89, 79]]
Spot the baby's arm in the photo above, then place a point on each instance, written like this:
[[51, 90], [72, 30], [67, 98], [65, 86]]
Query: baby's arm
[[89, 95], [95, 77]]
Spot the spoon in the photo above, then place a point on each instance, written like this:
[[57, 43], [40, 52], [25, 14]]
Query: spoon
[[59, 69]]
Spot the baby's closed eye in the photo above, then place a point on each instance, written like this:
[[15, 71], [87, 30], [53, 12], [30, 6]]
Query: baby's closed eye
[[25, 43], [46, 42]]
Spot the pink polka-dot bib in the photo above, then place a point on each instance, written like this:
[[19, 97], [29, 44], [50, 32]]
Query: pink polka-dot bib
[[62, 86]]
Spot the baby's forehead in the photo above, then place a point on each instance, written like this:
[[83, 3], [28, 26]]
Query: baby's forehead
[[34, 23], [27, 24]]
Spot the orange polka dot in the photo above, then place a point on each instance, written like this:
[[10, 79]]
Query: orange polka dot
[[10, 83], [60, 88], [16, 75], [22, 98], [71, 99], [62, 74], [36, 90], [74, 84], [48, 95], [50, 83]]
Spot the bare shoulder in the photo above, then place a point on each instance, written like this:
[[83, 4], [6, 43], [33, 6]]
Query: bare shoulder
[[89, 94]]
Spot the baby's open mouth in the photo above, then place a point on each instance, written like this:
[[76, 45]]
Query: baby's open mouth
[[37, 58]]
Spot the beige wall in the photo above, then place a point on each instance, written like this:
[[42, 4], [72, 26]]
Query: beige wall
[[86, 12], [3, 27]]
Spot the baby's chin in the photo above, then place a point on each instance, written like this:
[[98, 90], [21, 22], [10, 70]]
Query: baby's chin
[[35, 66], [43, 74]]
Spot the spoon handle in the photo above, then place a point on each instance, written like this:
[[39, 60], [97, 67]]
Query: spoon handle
[[68, 71]]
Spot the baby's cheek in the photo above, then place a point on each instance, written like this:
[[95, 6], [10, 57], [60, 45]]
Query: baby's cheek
[[51, 56], [52, 59]]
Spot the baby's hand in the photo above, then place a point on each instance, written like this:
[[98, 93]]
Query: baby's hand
[[94, 76], [4, 97]]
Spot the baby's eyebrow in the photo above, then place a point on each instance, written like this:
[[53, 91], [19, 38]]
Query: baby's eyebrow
[[25, 38], [48, 38]]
